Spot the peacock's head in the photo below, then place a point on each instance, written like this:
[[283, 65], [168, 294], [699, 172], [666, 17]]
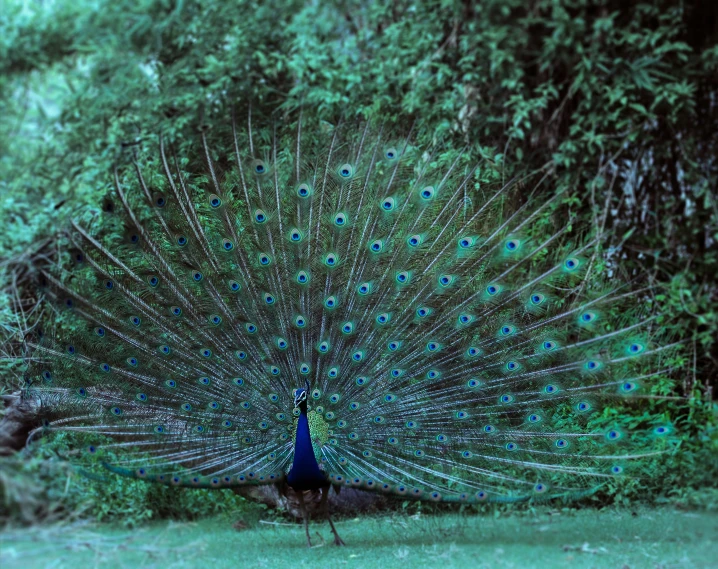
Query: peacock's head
[[300, 397]]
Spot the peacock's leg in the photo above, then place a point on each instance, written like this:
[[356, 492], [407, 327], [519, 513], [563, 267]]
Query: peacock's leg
[[302, 507], [325, 506]]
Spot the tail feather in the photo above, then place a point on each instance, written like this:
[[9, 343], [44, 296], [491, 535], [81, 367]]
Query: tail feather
[[455, 347]]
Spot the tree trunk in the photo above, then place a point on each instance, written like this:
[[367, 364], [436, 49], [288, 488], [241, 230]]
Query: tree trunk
[[19, 419]]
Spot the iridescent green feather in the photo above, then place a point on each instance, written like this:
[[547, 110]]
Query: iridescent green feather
[[454, 346]]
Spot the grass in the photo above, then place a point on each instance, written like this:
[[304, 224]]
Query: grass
[[655, 539]]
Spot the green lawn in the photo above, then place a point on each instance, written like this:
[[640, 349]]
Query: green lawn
[[655, 539]]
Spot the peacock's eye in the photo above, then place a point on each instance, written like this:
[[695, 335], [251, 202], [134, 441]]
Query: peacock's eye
[[364, 289], [414, 240], [571, 263], [512, 245], [427, 193], [446, 280], [388, 204], [259, 167], [537, 298], [588, 317]]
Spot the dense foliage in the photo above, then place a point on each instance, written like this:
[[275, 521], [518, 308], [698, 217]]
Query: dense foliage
[[620, 96]]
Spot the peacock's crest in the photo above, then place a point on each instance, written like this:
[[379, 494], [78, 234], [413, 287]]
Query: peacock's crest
[[453, 347]]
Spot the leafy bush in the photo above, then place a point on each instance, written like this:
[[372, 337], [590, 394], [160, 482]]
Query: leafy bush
[[44, 486]]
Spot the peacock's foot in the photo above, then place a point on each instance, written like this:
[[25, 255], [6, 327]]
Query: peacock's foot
[[338, 541]]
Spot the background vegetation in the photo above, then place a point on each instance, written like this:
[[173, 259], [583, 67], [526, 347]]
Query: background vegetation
[[620, 95]]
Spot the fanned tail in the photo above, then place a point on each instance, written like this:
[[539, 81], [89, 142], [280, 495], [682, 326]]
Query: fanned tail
[[455, 346]]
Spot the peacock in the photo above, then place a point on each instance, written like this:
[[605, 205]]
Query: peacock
[[315, 304]]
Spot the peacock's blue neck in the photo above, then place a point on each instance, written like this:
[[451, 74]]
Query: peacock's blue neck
[[305, 473]]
